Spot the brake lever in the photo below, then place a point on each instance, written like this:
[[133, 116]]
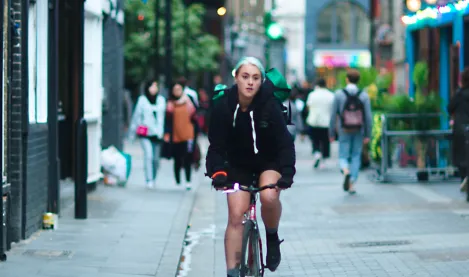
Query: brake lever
[[234, 189]]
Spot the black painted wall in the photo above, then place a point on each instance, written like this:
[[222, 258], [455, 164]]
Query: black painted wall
[[113, 81], [37, 177], [15, 161]]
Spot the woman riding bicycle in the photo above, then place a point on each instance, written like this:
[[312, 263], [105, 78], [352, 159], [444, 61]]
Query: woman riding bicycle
[[249, 139]]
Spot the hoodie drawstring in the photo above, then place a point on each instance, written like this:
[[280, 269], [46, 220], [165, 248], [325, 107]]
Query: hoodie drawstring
[[253, 132], [234, 115], [251, 114]]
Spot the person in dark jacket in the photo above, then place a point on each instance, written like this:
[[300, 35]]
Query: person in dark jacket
[[459, 109], [248, 137]]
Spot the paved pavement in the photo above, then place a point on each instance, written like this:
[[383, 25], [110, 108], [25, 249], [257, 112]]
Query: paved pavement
[[385, 230], [129, 232]]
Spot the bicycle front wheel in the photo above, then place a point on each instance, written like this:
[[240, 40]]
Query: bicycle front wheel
[[251, 260]]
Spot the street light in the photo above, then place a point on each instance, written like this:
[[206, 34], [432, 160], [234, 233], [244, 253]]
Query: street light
[[221, 11], [413, 5]]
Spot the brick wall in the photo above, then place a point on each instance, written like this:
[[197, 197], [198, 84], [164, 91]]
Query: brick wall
[[113, 81], [15, 130], [37, 177]]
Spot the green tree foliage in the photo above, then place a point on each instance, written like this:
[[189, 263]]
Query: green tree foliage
[[203, 48]]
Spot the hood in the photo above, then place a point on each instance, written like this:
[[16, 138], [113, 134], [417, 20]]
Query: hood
[[352, 88]]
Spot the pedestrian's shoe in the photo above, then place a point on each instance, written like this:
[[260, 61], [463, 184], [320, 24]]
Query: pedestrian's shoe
[[273, 256], [317, 159], [150, 185], [346, 184], [464, 183], [188, 186]]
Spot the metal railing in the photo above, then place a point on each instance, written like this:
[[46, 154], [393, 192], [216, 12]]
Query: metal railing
[[412, 147]]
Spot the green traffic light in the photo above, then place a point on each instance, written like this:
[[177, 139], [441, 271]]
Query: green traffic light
[[274, 31]]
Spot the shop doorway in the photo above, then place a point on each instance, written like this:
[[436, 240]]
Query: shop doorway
[[70, 77]]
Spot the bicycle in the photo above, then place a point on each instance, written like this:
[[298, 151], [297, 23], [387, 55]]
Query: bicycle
[[252, 262]]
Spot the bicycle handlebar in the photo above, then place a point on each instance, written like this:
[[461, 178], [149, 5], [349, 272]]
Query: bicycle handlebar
[[237, 187]]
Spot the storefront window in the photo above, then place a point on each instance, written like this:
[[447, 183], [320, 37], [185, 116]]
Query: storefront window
[[344, 20], [325, 23], [343, 23], [361, 26]]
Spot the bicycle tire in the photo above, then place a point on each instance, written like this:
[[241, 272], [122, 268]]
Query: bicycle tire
[[250, 241]]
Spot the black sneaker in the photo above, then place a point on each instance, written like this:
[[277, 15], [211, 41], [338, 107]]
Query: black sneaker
[[346, 184], [273, 256]]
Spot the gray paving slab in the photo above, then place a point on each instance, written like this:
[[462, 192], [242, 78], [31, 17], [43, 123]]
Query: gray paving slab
[[130, 231], [385, 230]]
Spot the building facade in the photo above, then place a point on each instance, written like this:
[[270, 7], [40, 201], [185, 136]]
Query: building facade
[[337, 35], [113, 74], [51, 81], [93, 84], [244, 31], [437, 32], [292, 19]]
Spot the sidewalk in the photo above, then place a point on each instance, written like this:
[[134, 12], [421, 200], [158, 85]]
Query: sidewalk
[[130, 231]]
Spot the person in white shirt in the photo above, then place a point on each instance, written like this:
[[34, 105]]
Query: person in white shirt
[[319, 105]]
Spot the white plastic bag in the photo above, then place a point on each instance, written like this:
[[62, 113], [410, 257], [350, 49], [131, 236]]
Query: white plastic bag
[[116, 163]]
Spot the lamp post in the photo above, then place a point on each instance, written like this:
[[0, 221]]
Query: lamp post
[[156, 61], [186, 39], [168, 46]]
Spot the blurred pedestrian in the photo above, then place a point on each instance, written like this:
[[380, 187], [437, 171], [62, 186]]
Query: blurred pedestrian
[[459, 109], [295, 113], [189, 91], [179, 132], [354, 127], [319, 105], [148, 125]]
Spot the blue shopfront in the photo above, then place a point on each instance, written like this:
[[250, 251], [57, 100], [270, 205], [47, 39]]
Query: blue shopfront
[[438, 32]]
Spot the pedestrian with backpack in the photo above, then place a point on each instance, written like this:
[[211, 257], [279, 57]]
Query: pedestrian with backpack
[[351, 120]]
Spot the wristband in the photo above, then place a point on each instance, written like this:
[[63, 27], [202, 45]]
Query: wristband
[[219, 173]]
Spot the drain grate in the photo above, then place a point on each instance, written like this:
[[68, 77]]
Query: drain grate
[[377, 243], [48, 253]]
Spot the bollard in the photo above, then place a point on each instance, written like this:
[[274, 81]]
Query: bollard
[[466, 134], [81, 169]]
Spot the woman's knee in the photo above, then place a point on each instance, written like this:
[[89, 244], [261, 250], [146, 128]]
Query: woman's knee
[[238, 204], [235, 217], [269, 197]]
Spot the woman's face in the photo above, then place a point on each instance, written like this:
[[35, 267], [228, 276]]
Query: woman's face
[[153, 89], [177, 90], [248, 79]]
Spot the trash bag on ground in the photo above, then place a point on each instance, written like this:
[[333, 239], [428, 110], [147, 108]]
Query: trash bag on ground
[[116, 166]]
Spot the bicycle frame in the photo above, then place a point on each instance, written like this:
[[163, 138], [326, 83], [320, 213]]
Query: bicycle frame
[[251, 215]]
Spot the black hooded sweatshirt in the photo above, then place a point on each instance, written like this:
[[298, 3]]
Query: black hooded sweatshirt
[[234, 143]]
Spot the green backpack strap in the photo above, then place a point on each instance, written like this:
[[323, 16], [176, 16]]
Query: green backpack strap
[[281, 88]]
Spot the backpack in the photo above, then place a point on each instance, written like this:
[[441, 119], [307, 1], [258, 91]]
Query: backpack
[[353, 113], [275, 82]]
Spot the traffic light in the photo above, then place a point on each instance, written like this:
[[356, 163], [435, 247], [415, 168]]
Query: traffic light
[[273, 30]]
